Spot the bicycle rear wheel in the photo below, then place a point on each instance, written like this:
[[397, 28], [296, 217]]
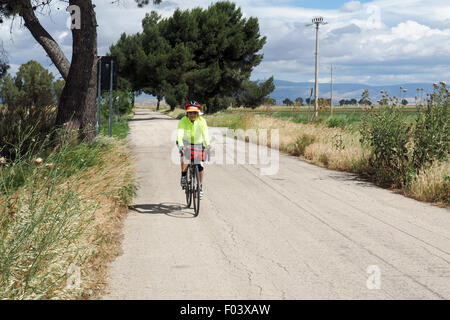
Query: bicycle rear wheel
[[196, 191], [188, 188]]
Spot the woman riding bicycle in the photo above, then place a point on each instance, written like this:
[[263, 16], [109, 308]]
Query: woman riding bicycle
[[192, 132]]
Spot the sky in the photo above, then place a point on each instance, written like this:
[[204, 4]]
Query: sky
[[378, 42]]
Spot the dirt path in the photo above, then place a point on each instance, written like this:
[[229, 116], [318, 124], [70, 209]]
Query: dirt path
[[304, 233]]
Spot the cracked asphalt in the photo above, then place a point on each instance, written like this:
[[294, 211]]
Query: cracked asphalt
[[304, 233]]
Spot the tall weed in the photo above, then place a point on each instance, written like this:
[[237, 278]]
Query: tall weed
[[387, 135]]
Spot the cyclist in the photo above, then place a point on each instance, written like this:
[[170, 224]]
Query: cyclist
[[192, 131]]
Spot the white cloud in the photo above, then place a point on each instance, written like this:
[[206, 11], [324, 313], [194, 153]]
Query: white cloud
[[377, 42], [411, 31]]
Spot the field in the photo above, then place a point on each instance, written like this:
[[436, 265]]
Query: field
[[341, 116]]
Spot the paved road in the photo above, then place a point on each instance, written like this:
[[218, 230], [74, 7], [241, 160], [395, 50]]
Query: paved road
[[304, 233]]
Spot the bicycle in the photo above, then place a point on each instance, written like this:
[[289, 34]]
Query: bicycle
[[192, 186]]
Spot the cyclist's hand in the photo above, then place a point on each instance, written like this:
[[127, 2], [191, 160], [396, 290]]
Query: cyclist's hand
[[181, 149]]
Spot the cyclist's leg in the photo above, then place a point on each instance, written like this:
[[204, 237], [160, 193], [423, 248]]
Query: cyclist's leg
[[183, 172], [200, 164], [201, 169], [184, 166], [185, 159]]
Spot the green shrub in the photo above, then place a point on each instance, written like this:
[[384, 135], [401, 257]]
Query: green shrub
[[431, 133], [122, 97], [335, 122], [388, 136], [401, 147], [23, 129], [298, 147]]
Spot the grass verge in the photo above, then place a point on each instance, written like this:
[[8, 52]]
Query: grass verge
[[120, 128], [60, 218]]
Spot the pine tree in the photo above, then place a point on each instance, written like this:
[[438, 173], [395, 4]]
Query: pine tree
[[253, 94], [202, 55]]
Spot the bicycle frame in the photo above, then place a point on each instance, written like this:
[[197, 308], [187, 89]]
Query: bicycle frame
[[192, 188]]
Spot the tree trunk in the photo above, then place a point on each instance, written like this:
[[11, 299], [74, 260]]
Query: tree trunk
[[44, 39], [77, 107], [157, 105], [77, 104]]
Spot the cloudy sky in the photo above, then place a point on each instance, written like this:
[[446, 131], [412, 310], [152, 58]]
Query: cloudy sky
[[378, 42]]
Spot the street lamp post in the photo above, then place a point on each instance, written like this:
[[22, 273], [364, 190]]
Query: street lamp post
[[317, 21]]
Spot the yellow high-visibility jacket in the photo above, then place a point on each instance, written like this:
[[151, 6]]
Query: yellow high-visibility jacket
[[196, 132]]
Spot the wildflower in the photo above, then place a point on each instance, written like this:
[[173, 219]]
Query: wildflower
[[38, 162], [444, 84], [435, 85], [49, 166]]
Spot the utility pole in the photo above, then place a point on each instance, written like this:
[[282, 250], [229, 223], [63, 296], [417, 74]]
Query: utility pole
[[331, 91], [110, 98], [99, 96], [317, 21]]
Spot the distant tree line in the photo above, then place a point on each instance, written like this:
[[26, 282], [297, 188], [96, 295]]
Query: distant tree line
[[308, 101], [345, 102]]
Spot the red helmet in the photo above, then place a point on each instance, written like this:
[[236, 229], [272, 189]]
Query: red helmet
[[192, 107]]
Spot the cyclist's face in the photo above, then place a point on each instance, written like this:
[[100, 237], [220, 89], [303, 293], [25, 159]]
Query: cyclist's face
[[192, 115]]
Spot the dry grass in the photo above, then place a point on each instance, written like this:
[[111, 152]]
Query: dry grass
[[432, 184], [107, 188], [333, 148]]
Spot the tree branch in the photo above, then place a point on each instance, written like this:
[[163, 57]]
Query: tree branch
[[41, 35]]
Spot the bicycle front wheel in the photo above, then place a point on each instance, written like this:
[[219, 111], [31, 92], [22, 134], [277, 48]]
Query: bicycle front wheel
[[196, 191], [188, 188]]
